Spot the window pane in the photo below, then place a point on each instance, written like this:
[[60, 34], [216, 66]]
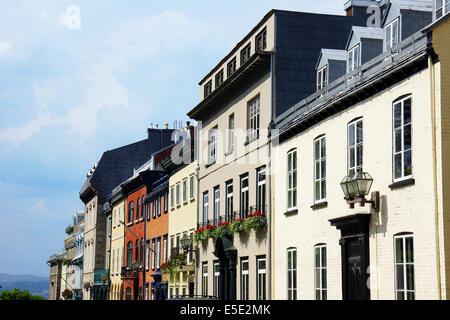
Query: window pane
[[351, 135], [324, 278], [397, 115], [317, 278], [407, 164], [359, 132], [398, 165], [317, 149], [317, 170], [359, 155], [400, 277], [407, 137], [400, 295], [317, 257], [399, 250], [324, 190], [409, 250], [317, 190], [410, 277], [323, 169], [410, 296], [398, 140], [407, 111], [323, 148], [352, 157], [324, 257]]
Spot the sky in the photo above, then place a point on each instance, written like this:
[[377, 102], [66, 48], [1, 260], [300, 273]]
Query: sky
[[78, 78]]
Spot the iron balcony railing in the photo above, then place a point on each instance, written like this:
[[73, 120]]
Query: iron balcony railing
[[229, 217]]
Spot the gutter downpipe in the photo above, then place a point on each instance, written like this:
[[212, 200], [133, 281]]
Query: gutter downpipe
[[436, 203], [269, 164]]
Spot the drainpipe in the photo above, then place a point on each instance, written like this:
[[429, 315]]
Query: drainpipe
[[197, 250], [436, 212], [269, 211]]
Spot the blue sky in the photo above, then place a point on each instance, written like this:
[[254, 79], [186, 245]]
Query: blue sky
[[69, 91]]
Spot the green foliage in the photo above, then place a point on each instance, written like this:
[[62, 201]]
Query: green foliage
[[17, 294], [67, 294], [173, 264], [222, 230], [69, 230]]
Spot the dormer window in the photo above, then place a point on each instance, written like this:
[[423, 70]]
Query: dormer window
[[245, 54], [353, 59], [442, 8], [219, 78], [208, 88], [261, 40], [231, 67], [322, 78], [391, 34]]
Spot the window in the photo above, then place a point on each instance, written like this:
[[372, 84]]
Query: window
[[244, 279], [245, 54], [208, 88], [404, 267], [261, 190], [130, 211], [219, 78], [253, 119], [212, 145], [141, 254], [166, 197], [184, 190], [391, 34], [321, 271], [230, 133], [118, 266], [153, 254], [178, 194], [158, 204], [261, 40], [205, 208], [191, 187], [205, 278], [114, 214], [292, 179], [231, 67], [320, 169], [172, 197], [165, 248], [355, 146], [322, 78], [229, 201], [261, 280], [136, 249], [138, 208], [353, 59], [142, 207], [216, 205], [128, 294], [147, 254], [191, 251], [402, 155], [146, 291], [442, 9], [129, 253], [216, 279], [113, 260], [292, 274], [244, 196], [154, 208], [158, 253]]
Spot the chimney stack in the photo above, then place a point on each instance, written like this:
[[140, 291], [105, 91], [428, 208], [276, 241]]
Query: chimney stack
[[166, 126]]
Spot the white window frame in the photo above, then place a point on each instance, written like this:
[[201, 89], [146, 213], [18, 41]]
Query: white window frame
[[291, 274], [147, 254], [229, 201], [244, 279], [177, 193], [444, 8], [401, 130], [230, 133], [322, 77], [244, 194], [205, 207], [172, 197], [389, 32], [205, 278], [165, 248], [184, 190], [261, 189], [404, 265], [318, 269], [291, 176], [354, 146], [191, 187], [212, 145], [253, 118], [216, 204], [153, 253], [158, 252], [216, 278], [261, 280], [319, 163], [354, 54]]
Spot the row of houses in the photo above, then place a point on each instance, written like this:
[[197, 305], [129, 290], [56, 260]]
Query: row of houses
[[317, 169]]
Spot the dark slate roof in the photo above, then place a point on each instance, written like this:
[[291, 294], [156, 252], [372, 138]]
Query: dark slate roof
[[115, 166]]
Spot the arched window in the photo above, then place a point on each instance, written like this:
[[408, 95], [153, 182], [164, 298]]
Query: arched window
[[138, 208], [142, 208], [130, 211], [129, 253], [128, 294]]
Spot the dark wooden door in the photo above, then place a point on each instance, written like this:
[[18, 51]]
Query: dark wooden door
[[356, 270]]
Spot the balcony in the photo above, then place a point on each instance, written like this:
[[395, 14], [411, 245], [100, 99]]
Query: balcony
[[243, 214]]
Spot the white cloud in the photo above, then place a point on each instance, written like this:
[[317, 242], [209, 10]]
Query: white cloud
[[102, 90], [5, 49], [71, 18], [17, 135]]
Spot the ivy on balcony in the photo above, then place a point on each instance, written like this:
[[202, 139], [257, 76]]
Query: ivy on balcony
[[171, 266]]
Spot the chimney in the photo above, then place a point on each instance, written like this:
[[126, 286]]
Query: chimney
[[166, 126]]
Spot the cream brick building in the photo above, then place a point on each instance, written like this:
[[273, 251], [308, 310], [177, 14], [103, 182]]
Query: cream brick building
[[392, 108]]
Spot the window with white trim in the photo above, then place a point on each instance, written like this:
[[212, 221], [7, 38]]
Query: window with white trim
[[261, 40], [158, 252], [191, 186], [391, 34], [292, 274], [153, 253], [212, 145], [184, 190], [172, 197], [261, 189], [208, 88], [322, 78], [244, 279], [216, 205], [320, 267], [402, 136], [165, 248], [292, 179], [261, 279], [178, 193], [147, 254], [320, 193], [353, 60], [205, 278], [404, 267], [230, 133], [253, 118], [245, 54], [216, 279], [442, 8], [229, 201], [355, 146], [244, 206], [205, 207]]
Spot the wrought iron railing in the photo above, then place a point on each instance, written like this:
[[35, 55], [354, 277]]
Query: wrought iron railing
[[229, 217]]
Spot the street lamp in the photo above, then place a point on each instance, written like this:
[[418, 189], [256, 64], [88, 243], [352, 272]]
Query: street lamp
[[186, 243], [357, 187]]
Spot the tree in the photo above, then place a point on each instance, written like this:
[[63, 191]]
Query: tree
[[16, 294]]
